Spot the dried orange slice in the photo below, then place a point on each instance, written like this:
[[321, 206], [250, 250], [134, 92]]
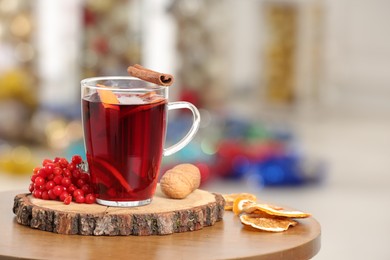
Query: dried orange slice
[[107, 97], [267, 224], [240, 204], [229, 199], [273, 211]]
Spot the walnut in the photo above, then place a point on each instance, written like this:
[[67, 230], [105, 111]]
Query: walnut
[[180, 181]]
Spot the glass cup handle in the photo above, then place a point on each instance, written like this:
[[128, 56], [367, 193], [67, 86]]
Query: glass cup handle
[[191, 133]]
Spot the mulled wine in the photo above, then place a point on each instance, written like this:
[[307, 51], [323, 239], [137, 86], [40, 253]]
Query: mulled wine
[[124, 145]]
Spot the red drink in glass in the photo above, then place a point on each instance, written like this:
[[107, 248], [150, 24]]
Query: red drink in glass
[[124, 123], [124, 145]]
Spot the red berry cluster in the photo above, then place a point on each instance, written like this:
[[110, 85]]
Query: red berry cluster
[[61, 180]]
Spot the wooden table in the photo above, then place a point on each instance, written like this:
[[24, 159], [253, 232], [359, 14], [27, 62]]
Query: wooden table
[[227, 239]]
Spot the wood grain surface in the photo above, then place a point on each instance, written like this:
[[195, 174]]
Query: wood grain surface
[[226, 239]]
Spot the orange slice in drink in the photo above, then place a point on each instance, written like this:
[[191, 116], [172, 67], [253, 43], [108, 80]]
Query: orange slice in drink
[[267, 224], [107, 97]]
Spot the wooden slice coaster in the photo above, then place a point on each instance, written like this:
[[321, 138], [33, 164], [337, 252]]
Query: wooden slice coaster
[[163, 216]]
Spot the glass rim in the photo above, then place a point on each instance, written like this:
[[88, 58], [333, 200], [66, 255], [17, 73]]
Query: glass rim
[[91, 82]]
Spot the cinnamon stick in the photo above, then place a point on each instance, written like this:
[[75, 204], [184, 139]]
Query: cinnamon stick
[[152, 76]]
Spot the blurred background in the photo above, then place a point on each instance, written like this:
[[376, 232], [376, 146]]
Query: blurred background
[[294, 97]]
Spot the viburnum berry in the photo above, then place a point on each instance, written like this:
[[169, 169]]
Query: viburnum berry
[[78, 192], [80, 199], [50, 185], [68, 200], [37, 194], [57, 190], [67, 173], [57, 170], [76, 159], [45, 195], [63, 180], [90, 198], [39, 180], [33, 177], [64, 195], [58, 179], [66, 181], [86, 188], [80, 183], [39, 187], [63, 162], [49, 168], [42, 172], [51, 194], [76, 173], [31, 187], [72, 188], [71, 167], [46, 161]]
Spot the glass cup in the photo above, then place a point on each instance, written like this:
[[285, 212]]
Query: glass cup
[[124, 122]]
